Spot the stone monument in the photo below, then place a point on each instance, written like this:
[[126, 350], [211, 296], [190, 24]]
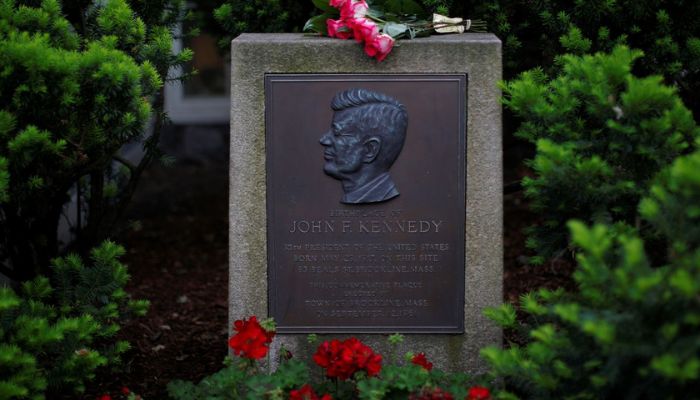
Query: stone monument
[[365, 197]]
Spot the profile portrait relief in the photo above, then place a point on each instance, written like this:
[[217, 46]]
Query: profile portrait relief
[[366, 136]]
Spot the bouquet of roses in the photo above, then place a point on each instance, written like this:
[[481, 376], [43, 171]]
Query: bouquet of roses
[[379, 26]]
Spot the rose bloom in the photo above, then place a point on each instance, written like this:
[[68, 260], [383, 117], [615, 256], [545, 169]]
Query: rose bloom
[[353, 9], [363, 29], [306, 392], [419, 359], [250, 340], [338, 29], [478, 393], [337, 3], [379, 46]]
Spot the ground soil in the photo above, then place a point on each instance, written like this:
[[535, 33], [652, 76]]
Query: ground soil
[[177, 255]]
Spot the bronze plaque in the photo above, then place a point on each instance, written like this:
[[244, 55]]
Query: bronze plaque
[[366, 202]]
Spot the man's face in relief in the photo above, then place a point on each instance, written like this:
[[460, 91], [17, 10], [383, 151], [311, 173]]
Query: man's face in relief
[[344, 150]]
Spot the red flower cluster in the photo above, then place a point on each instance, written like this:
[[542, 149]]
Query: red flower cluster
[[353, 22], [419, 359], [478, 393], [307, 393], [343, 359], [431, 394], [251, 339]]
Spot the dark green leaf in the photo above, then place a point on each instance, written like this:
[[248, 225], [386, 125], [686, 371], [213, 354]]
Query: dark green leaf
[[375, 13], [322, 4], [394, 30], [317, 24], [411, 33]]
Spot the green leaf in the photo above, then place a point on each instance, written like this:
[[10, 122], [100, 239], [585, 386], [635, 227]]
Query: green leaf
[[393, 29], [322, 4], [503, 315], [375, 13], [317, 24]]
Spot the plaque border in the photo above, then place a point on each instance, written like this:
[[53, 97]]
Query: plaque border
[[462, 79]]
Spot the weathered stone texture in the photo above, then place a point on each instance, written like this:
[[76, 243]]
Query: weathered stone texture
[[477, 55]]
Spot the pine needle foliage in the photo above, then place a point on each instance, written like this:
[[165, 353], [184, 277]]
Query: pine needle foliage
[[601, 135], [535, 33], [242, 16], [77, 82], [55, 335], [632, 330]]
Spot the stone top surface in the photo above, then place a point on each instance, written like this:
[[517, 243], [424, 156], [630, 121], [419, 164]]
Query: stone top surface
[[301, 38]]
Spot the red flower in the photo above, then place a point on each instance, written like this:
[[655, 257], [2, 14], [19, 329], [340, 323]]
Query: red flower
[[307, 393], [251, 339], [431, 394], [363, 29], [338, 29], [125, 391], [478, 393], [342, 359], [419, 359], [353, 9], [379, 46], [105, 397], [337, 3]]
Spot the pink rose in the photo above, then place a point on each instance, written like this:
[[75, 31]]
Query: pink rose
[[338, 29], [379, 46], [337, 3], [363, 29], [353, 9]]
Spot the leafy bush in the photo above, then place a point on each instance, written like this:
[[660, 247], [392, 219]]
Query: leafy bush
[[54, 335], [352, 370], [239, 16], [632, 329], [601, 135], [535, 33], [77, 84]]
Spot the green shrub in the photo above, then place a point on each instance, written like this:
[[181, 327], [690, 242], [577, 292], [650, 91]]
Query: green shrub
[[601, 135], [54, 335], [632, 330], [76, 84], [242, 378], [239, 16], [535, 33]]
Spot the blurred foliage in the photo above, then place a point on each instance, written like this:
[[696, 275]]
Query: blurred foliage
[[601, 135], [77, 84], [632, 328], [241, 16], [55, 334]]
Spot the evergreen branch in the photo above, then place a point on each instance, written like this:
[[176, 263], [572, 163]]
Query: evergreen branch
[[151, 151]]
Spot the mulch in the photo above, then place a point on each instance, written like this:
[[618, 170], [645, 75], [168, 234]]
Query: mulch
[[178, 259]]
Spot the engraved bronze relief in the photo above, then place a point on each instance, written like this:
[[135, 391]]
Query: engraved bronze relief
[[345, 252], [365, 138]]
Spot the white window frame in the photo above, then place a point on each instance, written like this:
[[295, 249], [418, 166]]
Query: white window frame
[[182, 109]]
